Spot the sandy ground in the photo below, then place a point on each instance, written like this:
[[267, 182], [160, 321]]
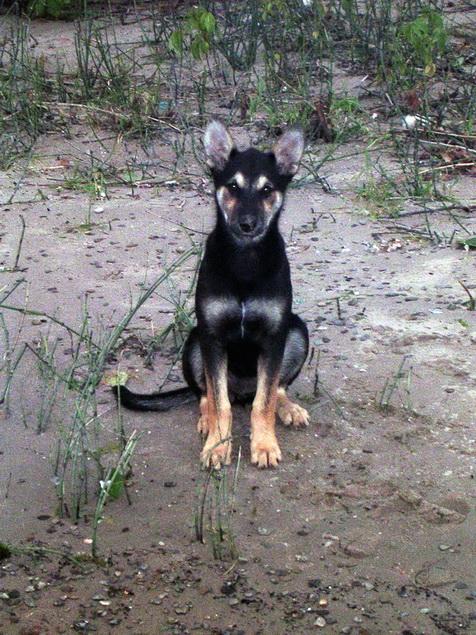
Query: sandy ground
[[366, 527]]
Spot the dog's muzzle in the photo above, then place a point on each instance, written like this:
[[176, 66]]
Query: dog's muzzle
[[248, 227]]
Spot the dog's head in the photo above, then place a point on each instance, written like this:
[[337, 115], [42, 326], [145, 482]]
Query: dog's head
[[250, 185]]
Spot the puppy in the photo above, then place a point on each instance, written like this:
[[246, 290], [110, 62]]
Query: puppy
[[248, 344]]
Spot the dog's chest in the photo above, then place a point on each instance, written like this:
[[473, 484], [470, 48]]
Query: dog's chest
[[243, 319]]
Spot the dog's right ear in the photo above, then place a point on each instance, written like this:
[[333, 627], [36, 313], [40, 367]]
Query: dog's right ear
[[288, 151], [218, 145]]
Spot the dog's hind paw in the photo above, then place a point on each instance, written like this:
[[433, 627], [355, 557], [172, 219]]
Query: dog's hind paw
[[202, 425], [291, 413]]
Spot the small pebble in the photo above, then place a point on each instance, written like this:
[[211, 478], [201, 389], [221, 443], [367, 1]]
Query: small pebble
[[228, 588], [83, 626], [320, 622]]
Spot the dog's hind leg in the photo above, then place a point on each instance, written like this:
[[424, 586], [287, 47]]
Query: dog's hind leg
[[193, 371], [192, 364], [202, 424], [295, 353]]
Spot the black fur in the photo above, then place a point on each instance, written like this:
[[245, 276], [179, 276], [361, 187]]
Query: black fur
[[161, 401]]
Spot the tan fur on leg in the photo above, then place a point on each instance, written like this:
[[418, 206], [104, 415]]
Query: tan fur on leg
[[217, 449], [265, 450], [202, 425], [289, 412]]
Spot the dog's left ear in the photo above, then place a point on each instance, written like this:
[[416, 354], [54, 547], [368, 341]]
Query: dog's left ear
[[288, 151], [218, 145]]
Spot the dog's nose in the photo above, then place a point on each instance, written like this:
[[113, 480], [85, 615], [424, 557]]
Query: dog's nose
[[247, 224]]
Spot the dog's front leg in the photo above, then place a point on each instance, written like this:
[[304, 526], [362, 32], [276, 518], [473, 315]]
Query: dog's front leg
[[265, 450], [217, 448]]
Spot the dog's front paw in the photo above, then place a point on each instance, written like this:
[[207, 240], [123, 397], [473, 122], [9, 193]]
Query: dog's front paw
[[291, 413], [216, 452], [265, 450]]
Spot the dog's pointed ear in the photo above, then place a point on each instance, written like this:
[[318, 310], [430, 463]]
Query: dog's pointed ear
[[218, 145], [288, 151]]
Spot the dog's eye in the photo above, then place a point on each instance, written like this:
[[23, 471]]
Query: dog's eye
[[266, 190], [233, 186]]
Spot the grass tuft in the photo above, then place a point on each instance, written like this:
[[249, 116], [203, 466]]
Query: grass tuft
[[214, 511]]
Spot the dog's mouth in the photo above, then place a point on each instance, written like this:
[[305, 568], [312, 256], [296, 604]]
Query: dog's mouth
[[249, 238], [246, 233]]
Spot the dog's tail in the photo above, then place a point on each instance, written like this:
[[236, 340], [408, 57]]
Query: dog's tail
[[159, 401]]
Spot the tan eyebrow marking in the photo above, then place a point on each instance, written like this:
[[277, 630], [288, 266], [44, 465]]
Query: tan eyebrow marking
[[240, 179], [261, 181]]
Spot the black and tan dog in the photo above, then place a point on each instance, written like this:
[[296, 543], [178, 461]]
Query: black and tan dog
[[247, 343]]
